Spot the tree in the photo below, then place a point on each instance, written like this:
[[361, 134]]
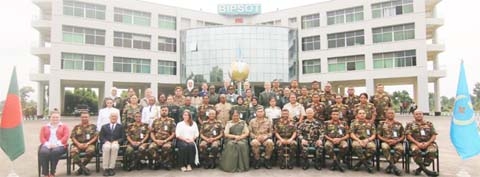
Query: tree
[[431, 101], [80, 96], [29, 107], [197, 78], [476, 97], [447, 103], [216, 75], [399, 97]]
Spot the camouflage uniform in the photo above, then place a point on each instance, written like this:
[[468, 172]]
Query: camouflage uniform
[[310, 131], [286, 128], [369, 109], [342, 110], [261, 127], [350, 101], [296, 91], [83, 134], [381, 101], [328, 98], [137, 133], [192, 110], [161, 130], [213, 99], [174, 112], [128, 115], [202, 112], [422, 132], [304, 100], [336, 129], [210, 129], [278, 96], [179, 101], [314, 91], [320, 110], [391, 131], [363, 130]]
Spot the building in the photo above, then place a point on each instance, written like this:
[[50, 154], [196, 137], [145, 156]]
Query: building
[[127, 43]]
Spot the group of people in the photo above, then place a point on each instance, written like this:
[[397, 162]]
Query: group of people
[[224, 128]]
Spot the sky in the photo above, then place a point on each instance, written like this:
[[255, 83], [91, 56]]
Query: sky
[[460, 34]]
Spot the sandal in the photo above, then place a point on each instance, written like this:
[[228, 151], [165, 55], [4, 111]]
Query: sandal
[[183, 169]]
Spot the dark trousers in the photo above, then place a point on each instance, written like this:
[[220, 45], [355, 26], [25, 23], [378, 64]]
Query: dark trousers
[[49, 159], [186, 153]]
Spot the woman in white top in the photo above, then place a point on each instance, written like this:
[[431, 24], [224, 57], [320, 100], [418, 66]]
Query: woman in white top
[[273, 112], [104, 114], [186, 133]]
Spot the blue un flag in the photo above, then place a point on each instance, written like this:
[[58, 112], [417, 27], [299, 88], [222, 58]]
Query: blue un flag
[[463, 130]]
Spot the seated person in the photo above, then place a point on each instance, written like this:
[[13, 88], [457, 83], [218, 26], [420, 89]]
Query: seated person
[[211, 132], [84, 136]]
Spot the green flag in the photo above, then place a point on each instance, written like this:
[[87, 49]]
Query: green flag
[[11, 128]]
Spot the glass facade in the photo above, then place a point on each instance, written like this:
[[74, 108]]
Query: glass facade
[[270, 52]]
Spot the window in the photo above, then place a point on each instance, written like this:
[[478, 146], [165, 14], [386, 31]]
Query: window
[[85, 10], [131, 17], [167, 22], [348, 63], [311, 43], [311, 66], [345, 15], [167, 67], [73, 61], [131, 65], [73, 34], [167, 44], [392, 8], [212, 24], [269, 23], [131, 40], [346, 39], [310, 21], [395, 59], [393, 33]]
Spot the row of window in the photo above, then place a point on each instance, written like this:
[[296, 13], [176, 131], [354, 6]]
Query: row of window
[[354, 14], [73, 34], [352, 38], [352, 63], [86, 62]]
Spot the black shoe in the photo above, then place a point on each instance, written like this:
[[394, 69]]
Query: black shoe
[[268, 165], [86, 171], [397, 171], [112, 173], [256, 164], [306, 166], [418, 171], [290, 166], [357, 166], [168, 167], [106, 172], [340, 168], [79, 172], [370, 169]]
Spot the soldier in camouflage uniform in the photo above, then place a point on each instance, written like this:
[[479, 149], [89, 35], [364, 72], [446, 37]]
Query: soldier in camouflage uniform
[[369, 108], [294, 88], [422, 134], [137, 136], [211, 132], [328, 96], [241, 108], [178, 98], [315, 88], [212, 95], [318, 107], [340, 107], [350, 100], [84, 136], [304, 98], [203, 110], [382, 101], [336, 135], [362, 133], [188, 106], [391, 133], [261, 135], [162, 133], [311, 132], [252, 109], [285, 131], [128, 114], [278, 92], [173, 109]]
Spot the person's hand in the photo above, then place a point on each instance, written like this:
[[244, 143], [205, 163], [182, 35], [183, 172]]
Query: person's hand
[[238, 138], [304, 142]]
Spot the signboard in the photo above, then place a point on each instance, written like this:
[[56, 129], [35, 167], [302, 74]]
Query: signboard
[[239, 9]]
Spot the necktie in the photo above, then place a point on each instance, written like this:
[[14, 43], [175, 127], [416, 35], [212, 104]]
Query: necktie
[[112, 127], [150, 108]]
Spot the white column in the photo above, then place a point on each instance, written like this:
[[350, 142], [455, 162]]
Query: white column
[[54, 94], [107, 88], [422, 93], [40, 98], [370, 85], [436, 98], [154, 87]]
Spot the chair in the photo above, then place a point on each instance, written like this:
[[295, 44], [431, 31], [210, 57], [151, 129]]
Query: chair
[[121, 153], [408, 154], [379, 153], [65, 156], [71, 166], [262, 152], [209, 151], [351, 154]]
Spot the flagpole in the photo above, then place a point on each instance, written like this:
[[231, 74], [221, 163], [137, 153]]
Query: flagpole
[[12, 170]]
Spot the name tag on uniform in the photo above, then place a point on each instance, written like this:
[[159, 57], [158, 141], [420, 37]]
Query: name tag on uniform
[[368, 132], [340, 131], [254, 114], [165, 127], [241, 115], [141, 135], [214, 132], [395, 134], [206, 114], [278, 97], [297, 112], [340, 114], [422, 132], [231, 100], [329, 102], [87, 136]]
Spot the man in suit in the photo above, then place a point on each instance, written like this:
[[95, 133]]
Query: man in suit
[[111, 136], [224, 89], [266, 95]]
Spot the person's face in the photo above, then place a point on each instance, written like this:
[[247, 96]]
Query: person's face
[[162, 98], [84, 118], [276, 84], [190, 84], [273, 102], [260, 113], [205, 100], [284, 114], [335, 116], [222, 99], [114, 92], [361, 114], [226, 83], [131, 92], [178, 92], [248, 93], [380, 89], [186, 116], [164, 112], [267, 86], [188, 101], [363, 99], [292, 98], [138, 117], [109, 103], [304, 91], [338, 99], [195, 92], [310, 113], [328, 87], [113, 118], [170, 100], [151, 101], [351, 91], [133, 100], [390, 114], [240, 101], [204, 86], [235, 116], [54, 118], [246, 85], [211, 90], [315, 98], [418, 115], [315, 85], [286, 91], [231, 90], [212, 115], [254, 101], [294, 84], [148, 93]]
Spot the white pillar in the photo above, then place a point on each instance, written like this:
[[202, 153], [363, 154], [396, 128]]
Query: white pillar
[[154, 87], [422, 93], [370, 85], [436, 97], [54, 94], [107, 89], [40, 98]]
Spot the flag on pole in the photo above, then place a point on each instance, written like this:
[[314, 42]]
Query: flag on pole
[[463, 128], [11, 128]]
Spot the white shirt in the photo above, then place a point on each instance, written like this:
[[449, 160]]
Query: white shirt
[[185, 131], [295, 110], [53, 135], [104, 116], [149, 113], [273, 113]]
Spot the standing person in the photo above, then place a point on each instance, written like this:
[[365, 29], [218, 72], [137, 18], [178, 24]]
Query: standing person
[[340, 107], [350, 100], [422, 134], [318, 107], [104, 114], [189, 89], [162, 100], [294, 88], [203, 110], [150, 112], [391, 134], [173, 109], [248, 97], [285, 97], [363, 134], [137, 136], [231, 96], [204, 90], [261, 130], [188, 106], [196, 99], [296, 110], [278, 92], [235, 156], [162, 134], [315, 88], [186, 133], [84, 136], [382, 101], [126, 101], [252, 109], [273, 112], [211, 132], [54, 140], [304, 97], [241, 108], [130, 110], [266, 95], [148, 94], [178, 98], [111, 136], [246, 85], [224, 89], [328, 96], [212, 96], [369, 108], [336, 135], [117, 101], [223, 109]]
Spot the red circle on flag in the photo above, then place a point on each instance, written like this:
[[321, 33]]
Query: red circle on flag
[[12, 112]]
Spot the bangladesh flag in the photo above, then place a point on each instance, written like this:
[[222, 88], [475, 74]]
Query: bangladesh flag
[[11, 128]]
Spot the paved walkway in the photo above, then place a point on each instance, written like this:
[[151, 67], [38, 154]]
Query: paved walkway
[[450, 162]]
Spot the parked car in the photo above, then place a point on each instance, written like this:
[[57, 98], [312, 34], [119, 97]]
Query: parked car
[[80, 108]]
